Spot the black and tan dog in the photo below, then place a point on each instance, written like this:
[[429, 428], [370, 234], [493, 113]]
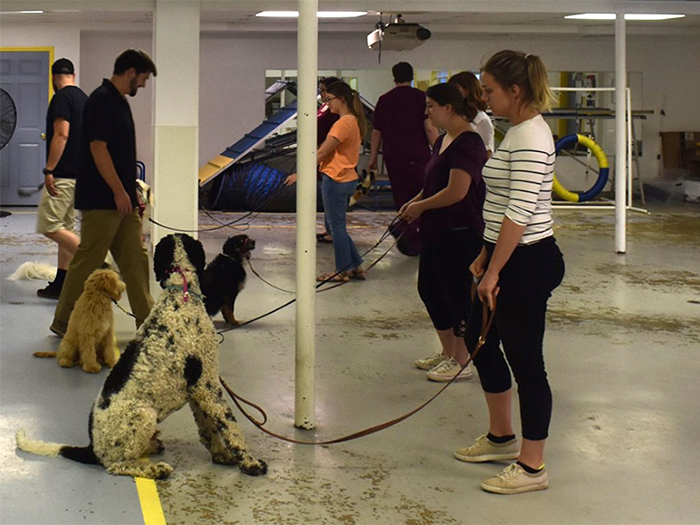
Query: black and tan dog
[[225, 277], [172, 361]]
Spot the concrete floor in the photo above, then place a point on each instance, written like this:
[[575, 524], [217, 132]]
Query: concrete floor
[[622, 354]]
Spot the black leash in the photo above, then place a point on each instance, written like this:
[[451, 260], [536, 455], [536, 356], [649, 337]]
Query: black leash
[[382, 238], [329, 279]]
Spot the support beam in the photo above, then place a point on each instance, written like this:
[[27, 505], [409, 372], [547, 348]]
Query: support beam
[[307, 56], [176, 116], [620, 136]]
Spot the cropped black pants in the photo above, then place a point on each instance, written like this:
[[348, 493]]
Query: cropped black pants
[[526, 283], [444, 280]]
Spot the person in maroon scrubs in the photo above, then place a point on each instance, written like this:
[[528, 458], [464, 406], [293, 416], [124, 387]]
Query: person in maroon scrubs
[[405, 135]]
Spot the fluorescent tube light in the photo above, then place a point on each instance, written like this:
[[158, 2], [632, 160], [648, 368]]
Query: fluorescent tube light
[[652, 17], [611, 16], [278, 14], [321, 14], [592, 16]]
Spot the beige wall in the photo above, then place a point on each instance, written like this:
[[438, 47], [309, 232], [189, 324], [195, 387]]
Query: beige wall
[[98, 50], [66, 41], [669, 69], [233, 71]]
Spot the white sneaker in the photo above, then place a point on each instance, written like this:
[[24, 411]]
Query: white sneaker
[[515, 479], [449, 369], [430, 362], [486, 450]]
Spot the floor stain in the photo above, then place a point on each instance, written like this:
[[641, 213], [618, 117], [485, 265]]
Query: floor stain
[[639, 276], [611, 319], [416, 513]]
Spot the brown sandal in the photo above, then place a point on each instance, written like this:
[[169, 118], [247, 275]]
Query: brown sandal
[[358, 274], [333, 278]]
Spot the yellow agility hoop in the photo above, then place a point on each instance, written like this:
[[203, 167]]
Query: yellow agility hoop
[[603, 169]]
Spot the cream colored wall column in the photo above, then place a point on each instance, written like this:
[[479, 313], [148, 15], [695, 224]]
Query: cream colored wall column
[[176, 115]]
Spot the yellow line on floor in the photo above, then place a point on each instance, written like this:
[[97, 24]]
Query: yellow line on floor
[[150, 502]]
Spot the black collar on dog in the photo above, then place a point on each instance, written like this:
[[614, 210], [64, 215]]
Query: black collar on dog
[[241, 256]]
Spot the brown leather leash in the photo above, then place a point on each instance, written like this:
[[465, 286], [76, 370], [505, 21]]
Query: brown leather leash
[[486, 322]]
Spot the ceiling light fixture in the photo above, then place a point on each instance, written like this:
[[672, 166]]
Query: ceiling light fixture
[[652, 17], [611, 16], [321, 14]]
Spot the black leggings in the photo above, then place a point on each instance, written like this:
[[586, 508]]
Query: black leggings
[[444, 280], [526, 283]]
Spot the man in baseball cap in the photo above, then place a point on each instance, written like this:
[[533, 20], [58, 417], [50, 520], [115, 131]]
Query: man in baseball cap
[[56, 214], [63, 66]]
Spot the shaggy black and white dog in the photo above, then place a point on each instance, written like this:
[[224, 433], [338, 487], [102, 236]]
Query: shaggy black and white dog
[[225, 276], [173, 360]]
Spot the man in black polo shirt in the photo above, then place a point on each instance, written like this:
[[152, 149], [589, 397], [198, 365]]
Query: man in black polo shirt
[[56, 215], [106, 191]]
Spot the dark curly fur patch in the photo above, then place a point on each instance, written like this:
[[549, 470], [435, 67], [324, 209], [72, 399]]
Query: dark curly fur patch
[[193, 370], [120, 374]]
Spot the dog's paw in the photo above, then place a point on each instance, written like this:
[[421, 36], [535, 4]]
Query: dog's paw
[[91, 368], [230, 319], [66, 363], [253, 467], [161, 470]]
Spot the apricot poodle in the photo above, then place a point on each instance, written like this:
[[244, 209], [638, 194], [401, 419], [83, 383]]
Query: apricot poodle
[[89, 338]]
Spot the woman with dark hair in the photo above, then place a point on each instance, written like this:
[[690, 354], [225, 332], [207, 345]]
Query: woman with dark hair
[[521, 265], [450, 207], [338, 156], [470, 87], [325, 119]]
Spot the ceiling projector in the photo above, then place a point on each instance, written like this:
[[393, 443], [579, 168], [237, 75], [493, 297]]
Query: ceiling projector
[[397, 36]]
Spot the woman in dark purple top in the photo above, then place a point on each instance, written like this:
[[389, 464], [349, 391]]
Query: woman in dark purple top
[[449, 208]]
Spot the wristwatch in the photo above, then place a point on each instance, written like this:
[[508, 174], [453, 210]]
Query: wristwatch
[[47, 171]]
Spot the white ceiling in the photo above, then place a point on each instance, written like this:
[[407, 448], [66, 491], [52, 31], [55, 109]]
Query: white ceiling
[[466, 16]]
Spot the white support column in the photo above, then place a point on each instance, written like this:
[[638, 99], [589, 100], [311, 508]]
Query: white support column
[[176, 116], [307, 57], [620, 135]]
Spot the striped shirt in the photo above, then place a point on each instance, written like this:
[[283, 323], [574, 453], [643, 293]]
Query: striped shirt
[[519, 179]]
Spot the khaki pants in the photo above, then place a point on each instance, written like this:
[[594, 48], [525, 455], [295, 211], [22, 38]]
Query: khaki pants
[[57, 213], [103, 231]]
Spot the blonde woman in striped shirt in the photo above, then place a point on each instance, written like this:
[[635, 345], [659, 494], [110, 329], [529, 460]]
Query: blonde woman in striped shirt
[[521, 265]]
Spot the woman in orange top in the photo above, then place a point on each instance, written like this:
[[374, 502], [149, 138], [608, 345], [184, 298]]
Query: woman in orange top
[[338, 156]]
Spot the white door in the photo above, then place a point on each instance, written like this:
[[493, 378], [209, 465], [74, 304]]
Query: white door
[[25, 76]]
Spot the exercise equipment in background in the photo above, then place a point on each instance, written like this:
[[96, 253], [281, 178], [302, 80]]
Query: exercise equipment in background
[[603, 168]]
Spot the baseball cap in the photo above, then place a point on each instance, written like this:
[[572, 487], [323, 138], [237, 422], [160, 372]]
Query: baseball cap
[[63, 66]]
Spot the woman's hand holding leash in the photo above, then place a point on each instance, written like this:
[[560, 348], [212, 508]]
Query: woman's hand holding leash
[[478, 267], [487, 281], [410, 211], [488, 289]]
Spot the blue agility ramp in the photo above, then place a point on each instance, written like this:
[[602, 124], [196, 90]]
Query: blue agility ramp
[[250, 141], [250, 173]]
